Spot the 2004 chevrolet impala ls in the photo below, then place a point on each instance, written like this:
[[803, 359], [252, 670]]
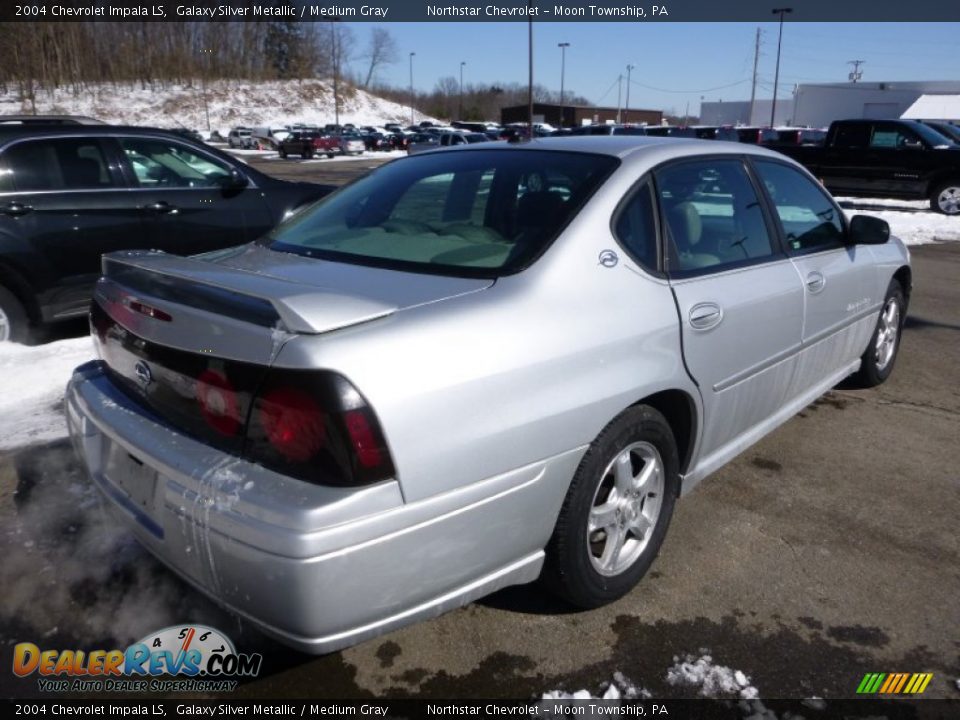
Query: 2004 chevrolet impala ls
[[470, 369]]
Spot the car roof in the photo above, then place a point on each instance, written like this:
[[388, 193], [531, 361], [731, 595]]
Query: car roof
[[631, 149], [624, 146], [17, 131]]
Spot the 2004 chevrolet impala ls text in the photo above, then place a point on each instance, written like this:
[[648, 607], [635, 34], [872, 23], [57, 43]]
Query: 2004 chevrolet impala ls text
[[472, 368]]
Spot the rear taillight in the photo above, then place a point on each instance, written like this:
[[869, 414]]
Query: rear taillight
[[316, 426]]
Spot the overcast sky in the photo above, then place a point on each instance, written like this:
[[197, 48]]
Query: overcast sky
[[675, 63]]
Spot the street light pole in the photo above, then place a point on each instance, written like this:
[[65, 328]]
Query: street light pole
[[563, 67], [411, 87], [530, 72], [626, 117], [776, 77], [460, 111]]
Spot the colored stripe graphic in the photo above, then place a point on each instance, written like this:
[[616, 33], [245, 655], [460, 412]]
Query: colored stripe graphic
[[894, 683]]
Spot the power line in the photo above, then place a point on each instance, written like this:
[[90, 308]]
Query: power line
[[682, 92]]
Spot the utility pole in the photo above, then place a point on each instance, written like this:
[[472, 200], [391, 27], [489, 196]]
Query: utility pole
[[563, 67], [336, 73], [627, 113], [776, 76], [460, 111], [411, 88], [530, 69], [753, 87], [619, 93], [856, 74]]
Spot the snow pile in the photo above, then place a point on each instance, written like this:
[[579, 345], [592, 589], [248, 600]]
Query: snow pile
[[229, 103], [33, 382], [709, 679], [621, 688], [918, 228]]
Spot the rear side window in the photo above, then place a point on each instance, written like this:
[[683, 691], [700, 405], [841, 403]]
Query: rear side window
[[809, 219], [635, 227], [712, 216], [58, 164]]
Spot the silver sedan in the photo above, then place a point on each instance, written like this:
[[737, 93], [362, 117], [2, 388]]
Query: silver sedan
[[473, 368]]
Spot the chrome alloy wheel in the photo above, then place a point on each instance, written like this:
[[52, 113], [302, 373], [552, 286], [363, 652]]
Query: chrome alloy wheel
[[948, 200], [625, 508], [887, 333]]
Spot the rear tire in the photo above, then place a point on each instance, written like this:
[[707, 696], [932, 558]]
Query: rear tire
[[616, 512], [878, 359], [283, 153], [307, 154], [945, 198], [14, 321]]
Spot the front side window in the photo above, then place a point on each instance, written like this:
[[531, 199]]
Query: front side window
[[892, 137], [472, 213], [161, 163], [809, 218], [57, 164], [712, 216]]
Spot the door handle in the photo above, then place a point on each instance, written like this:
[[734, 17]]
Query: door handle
[[704, 316], [15, 209], [161, 207], [815, 282]]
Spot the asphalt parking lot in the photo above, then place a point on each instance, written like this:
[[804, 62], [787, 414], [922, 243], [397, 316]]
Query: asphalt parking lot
[[827, 551]]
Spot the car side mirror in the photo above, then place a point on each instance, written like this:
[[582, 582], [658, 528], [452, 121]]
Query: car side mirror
[[868, 230], [235, 180]]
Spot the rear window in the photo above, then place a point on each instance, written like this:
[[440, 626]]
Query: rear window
[[473, 214]]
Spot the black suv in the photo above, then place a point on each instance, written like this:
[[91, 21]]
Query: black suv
[[69, 193]]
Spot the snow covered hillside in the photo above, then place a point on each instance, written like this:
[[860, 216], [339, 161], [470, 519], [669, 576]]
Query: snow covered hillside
[[275, 103]]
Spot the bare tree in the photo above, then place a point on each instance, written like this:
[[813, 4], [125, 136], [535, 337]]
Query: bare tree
[[382, 50]]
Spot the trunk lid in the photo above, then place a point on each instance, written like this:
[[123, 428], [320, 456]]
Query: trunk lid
[[191, 339]]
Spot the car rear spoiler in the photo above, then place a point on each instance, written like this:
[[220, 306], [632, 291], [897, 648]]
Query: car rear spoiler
[[240, 294]]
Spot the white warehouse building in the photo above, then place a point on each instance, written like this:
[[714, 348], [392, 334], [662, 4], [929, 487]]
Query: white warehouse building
[[817, 105]]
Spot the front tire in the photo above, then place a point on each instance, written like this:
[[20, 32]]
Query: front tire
[[945, 198], [877, 360], [14, 322], [283, 153], [616, 512]]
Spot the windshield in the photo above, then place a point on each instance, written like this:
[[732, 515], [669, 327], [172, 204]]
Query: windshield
[[932, 137], [468, 213]]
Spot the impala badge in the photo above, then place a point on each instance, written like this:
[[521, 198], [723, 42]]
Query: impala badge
[[608, 258]]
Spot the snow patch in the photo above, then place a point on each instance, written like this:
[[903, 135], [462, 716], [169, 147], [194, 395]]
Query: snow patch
[[710, 679], [35, 378], [620, 688], [273, 103]]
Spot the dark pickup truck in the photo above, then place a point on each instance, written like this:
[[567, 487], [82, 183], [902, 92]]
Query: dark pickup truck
[[900, 159], [307, 143]]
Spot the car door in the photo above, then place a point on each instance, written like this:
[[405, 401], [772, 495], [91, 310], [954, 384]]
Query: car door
[[738, 296], [896, 158], [66, 206], [189, 204], [840, 290], [845, 167]]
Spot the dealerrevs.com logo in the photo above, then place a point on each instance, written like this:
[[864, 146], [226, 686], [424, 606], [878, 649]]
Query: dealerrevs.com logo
[[198, 658]]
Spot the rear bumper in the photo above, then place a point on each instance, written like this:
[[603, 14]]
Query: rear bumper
[[318, 568]]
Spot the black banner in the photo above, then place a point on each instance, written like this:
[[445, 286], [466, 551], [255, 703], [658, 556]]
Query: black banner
[[814, 709], [630, 11]]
